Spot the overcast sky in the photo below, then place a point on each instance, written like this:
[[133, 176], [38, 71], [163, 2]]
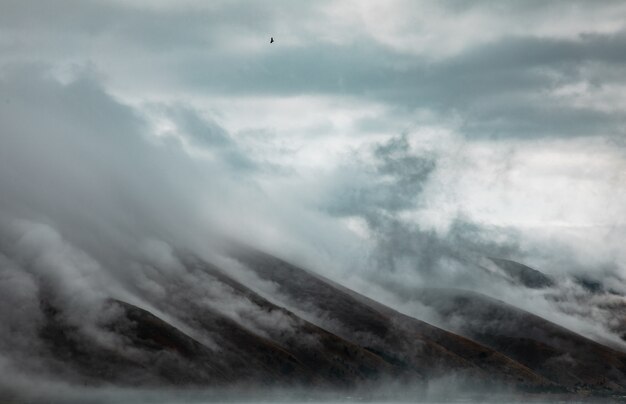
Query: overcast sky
[[406, 131]]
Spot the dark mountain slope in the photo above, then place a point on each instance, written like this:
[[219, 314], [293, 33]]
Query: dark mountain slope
[[400, 339], [316, 333], [550, 350], [594, 301], [154, 352], [245, 318], [300, 354], [369, 347]]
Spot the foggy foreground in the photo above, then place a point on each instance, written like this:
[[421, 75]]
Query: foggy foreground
[[436, 393]]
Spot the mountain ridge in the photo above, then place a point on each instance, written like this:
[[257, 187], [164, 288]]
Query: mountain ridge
[[314, 332]]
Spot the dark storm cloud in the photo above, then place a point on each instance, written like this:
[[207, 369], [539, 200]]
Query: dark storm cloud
[[499, 89], [363, 68], [71, 27], [152, 28]]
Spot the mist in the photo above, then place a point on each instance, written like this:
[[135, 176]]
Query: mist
[[386, 147]]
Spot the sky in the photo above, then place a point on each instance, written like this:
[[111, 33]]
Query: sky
[[385, 144]]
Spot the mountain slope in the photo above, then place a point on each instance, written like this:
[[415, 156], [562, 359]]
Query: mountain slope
[[155, 352], [524, 275], [208, 327], [429, 350], [548, 349]]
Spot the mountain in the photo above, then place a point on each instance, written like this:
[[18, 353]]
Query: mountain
[[552, 351], [156, 352], [521, 274], [273, 324], [411, 343], [574, 295]]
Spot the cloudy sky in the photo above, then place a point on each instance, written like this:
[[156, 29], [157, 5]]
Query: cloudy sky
[[385, 141]]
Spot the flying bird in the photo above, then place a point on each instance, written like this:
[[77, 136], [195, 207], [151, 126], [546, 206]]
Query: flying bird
[[271, 39]]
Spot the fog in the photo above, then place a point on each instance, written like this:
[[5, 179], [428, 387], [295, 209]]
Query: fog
[[386, 146]]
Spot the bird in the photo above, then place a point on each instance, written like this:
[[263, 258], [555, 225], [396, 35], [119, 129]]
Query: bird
[[271, 39]]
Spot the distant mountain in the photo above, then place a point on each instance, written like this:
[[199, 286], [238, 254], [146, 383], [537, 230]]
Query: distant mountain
[[579, 295], [557, 354], [524, 275]]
